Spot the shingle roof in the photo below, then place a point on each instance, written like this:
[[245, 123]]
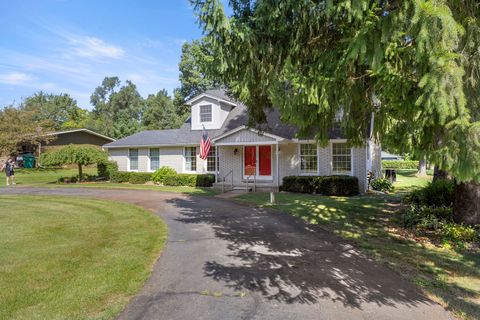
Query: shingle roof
[[185, 136]]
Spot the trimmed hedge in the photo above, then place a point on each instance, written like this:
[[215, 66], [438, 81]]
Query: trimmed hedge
[[131, 177], [107, 169], [382, 184], [159, 175], [399, 164], [326, 185], [120, 176], [189, 180]]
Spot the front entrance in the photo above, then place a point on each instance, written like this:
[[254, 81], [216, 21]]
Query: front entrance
[[257, 161]]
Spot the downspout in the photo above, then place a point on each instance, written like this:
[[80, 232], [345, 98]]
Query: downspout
[[277, 166], [217, 160]]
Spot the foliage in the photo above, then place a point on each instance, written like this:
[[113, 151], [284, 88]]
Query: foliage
[[382, 184], [195, 60], [59, 111], [139, 177], [423, 217], [120, 176], [459, 233], [400, 164], [326, 185], [405, 61], [117, 108], [160, 174], [18, 126], [160, 113], [74, 154], [107, 169], [189, 180], [440, 193]]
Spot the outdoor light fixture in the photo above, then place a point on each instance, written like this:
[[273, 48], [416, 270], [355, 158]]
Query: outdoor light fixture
[[235, 151]]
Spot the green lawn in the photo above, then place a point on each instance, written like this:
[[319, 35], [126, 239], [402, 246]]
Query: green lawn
[[407, 179], [71, 258], [451, 276], [48, 178]]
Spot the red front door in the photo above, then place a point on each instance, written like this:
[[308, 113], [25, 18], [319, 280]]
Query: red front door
[[263, 161], [250, 160]]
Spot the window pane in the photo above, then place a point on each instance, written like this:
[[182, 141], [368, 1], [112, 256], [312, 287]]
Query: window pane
[[154, 159], [191, 158], [133, 157], [341, 158], [211, 160], [308, 158], [206, 113]]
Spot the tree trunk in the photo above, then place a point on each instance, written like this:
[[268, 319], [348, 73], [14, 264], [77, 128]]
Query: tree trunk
[[466, 207], [439, 174], [80, 173], [422, 167]]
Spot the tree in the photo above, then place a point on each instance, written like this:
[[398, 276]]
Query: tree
[[117, 113], [312, 58], [19, 126], [196, 59], [74, 154], [60, 111], [160, 113]]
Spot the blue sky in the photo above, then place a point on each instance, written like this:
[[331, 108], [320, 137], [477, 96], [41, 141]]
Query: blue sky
[[71, 45]]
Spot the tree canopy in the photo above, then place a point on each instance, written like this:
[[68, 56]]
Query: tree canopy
[[409, 62]]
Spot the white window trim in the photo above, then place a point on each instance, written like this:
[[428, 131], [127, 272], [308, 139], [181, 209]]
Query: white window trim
[[205, 163], [150, 160], [257, 164], [185, 160], [200, 113], [128, 159], [300, 160], [331, 158]]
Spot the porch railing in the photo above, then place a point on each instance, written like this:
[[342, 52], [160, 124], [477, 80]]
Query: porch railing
[[247, 182], [225, 178]]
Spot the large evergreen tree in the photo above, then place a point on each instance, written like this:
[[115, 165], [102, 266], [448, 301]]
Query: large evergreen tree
[[160, 112], [312, 58]]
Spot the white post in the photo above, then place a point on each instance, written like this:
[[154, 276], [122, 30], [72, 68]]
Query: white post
[[217, 158], [277, 165], [272, 198]]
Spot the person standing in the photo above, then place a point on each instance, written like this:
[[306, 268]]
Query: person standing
[[10, 171]]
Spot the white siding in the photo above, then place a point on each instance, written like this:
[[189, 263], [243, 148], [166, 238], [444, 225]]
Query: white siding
[[245, 136], [172, 157], [219, 114], [120, 156], [359, 167], [143, 160]]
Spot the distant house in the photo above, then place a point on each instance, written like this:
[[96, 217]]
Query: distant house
[[390, 156], [64, 138], [265, 153]]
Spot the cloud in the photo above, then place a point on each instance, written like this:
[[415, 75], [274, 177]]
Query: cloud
[[15, 78], [92, 47]]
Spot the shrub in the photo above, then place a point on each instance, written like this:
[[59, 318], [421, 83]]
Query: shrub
[[106, 169], [436, 194], [326, 185], [159, 175], [399, 164], [458, 232], [429, 218], [189, 180], [120, 176], [382, 184], [139, 177]]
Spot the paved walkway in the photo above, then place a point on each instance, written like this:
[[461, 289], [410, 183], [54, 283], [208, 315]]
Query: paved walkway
[[225, 260]]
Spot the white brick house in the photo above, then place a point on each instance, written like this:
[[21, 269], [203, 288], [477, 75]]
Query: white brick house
[[239, 154]]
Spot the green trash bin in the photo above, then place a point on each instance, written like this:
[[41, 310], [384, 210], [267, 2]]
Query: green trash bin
[[28, 161]]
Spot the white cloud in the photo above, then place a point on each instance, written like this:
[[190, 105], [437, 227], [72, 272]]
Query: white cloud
[[91, 47], [15, 78]]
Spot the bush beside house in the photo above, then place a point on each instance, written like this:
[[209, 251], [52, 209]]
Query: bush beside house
[[399, 164], [326, 185]]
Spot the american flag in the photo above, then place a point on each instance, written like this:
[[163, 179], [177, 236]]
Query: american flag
[[205, 145]]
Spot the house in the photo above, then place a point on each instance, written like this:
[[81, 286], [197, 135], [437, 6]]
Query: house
[[241, 154], [64, 138], [390, 156]]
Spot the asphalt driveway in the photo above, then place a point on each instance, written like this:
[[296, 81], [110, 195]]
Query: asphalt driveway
[[226, 260]]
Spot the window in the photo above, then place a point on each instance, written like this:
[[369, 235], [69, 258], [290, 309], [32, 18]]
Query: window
[[190, 159], [341, 158], [308, 159], [212, 160], [206, 113], [154, 159], [133, 159]]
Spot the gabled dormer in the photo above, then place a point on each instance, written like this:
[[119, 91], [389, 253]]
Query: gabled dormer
[[210, 110]]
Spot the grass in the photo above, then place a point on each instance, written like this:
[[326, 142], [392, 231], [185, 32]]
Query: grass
[[407, 179], [71, 258], [449, 275], [45, 177]]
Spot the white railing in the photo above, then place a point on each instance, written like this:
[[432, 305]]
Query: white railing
[[224, 178], [247, 182]]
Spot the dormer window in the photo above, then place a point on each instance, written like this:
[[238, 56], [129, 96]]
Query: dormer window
[[206, 113]]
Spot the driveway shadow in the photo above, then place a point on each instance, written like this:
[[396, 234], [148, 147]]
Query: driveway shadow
[[286, 260]]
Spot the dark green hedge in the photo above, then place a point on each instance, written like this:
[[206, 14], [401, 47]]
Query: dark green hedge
[[189, 180], [400, 164], [106, 169], [131, 177], [326, 185]]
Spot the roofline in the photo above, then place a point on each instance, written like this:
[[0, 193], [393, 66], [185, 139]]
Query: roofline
[[78, 130], [106, 146], [263, 133], [189, 102]]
